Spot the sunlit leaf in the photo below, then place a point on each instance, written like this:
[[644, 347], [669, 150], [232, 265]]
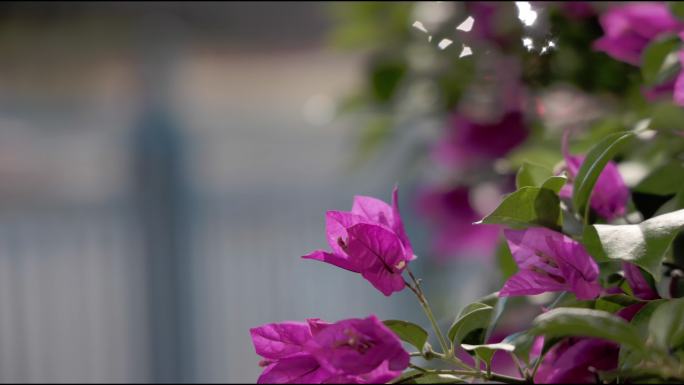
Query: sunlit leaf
[[644, 244], [486, 352], [528, 206]]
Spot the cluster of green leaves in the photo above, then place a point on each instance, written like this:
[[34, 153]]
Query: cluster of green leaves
[[649, 135]]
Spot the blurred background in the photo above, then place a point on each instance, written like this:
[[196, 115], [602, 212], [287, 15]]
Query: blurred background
[[164, 165]]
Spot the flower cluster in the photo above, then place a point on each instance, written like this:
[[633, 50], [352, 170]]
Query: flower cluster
[[353, 351], [369, 240], [596, 251], [630, 28]]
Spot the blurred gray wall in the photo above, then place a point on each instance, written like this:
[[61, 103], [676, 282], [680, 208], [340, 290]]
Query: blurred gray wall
[[94, 286]]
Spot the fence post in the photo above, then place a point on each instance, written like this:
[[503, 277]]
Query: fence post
[[160, 201]]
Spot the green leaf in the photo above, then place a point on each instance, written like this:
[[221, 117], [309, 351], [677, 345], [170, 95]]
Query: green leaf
[[507, 264], [644, 244], [659, 60], [593, 165], [529, 206], [664, 180], [677, 9], [473, 318], [532, 174], [629, 358], [666, 328], [666, 116], [555, 183], [620, 299], [420, 377], [523, 342], [486, 352], [385, 77], [573, 322], [535, 175], [409, 332]]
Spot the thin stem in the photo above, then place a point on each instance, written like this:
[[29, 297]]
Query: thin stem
[[491, 377], [418, 291], [418, 368], [448, 354], [536, 367]]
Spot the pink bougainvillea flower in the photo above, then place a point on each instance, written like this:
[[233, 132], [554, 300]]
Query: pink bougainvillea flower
[[629, 28], [577, 9], [577, 360], [679, 82], [468, 141], [285, 360], [550, 261], [450, 214], [361, 348], [369, 240], [358, 351], [610, 195], [641, 288]]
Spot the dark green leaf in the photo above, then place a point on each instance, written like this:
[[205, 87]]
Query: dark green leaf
[[409, 332], [666, 327], [630, 358], [677, 9], [474, 317], [666, 116], [573, 322], [659, 60], [664, 180], [593, 165], [419, 377], [529, 206], [523, 342], [644, 244], [555, 183], [621, 299], [507, 264], [532, 174], [386, 74]]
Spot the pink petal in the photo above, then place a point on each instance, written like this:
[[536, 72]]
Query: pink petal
[[279, 340], [302, 369], [373, 245], [640, 286], [373, 210], [398, 224], [333, 259], [678, 94], [336, 225]]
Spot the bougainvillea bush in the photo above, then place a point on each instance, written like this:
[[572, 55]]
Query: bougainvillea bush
[[573, 114]]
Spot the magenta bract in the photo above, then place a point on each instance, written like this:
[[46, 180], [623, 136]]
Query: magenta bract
[[451, 215], [369, 240], [550, 261], [629, 28], [360, 351], [468, 141]]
